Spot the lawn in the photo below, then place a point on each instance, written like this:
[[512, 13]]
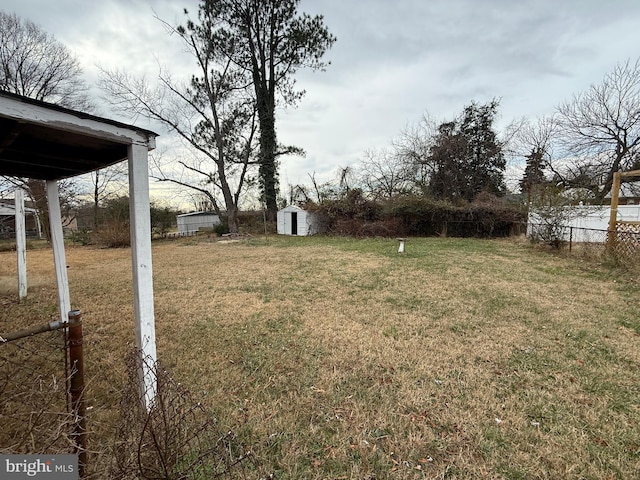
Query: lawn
[[339, 358]]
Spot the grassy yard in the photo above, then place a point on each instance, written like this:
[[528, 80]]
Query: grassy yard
[[338, 358]]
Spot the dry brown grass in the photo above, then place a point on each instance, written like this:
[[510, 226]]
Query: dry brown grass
[[336, 358]]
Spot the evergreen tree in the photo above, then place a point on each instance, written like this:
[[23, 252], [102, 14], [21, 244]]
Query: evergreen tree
[[533, 178], [270, 40], [466, 156]]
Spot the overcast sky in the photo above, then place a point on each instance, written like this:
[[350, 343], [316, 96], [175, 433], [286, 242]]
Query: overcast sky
[[393, 61]]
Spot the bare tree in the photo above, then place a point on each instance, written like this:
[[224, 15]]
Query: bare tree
[[539, 134], [323, 191], [106, 183], [298, 194], [413, 148], [536, 142], [385, 173], [600, 128], [346, 179], [34, 64], [214, 115]]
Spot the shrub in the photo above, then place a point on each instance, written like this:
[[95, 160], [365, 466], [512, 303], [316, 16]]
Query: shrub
[[221, 228], [80, 236], [416, 215], [176, 437], [346, 216], [114, 233], [428, 217], [389, 227]]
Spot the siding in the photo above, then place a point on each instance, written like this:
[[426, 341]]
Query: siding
[[190, 222]]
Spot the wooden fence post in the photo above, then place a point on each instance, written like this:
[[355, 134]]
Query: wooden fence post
[[612, 237]]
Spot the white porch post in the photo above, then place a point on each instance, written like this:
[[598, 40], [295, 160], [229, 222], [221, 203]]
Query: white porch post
[[21, 244], [38, 224], [142, 268], [57, 242]]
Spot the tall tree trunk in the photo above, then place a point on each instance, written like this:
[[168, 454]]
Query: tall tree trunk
[[229, 203], [232, 219], [268, 170]]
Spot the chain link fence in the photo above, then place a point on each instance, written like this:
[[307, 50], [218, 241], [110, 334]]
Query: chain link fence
[[621, 245], [36, 409], [42, 411], [626, 241], [176, 437]]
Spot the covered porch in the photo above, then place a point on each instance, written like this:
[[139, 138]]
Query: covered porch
[[46, 142]]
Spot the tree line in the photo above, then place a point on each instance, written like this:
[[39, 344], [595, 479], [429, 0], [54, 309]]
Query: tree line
[[576, 149], [245, 55]]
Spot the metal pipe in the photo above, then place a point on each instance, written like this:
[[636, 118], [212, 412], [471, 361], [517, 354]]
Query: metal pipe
[[78, 405], [570, 238], [47, 327], [76, 390]]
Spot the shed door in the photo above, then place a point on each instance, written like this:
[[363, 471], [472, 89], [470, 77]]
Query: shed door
[[294, 223]]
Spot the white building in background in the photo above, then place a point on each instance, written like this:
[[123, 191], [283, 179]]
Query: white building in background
[[294, 220], [582, 221], [7, 220], [192, 222]]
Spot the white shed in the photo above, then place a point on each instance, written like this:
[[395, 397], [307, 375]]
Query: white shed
[[192, 222], [294, 220]]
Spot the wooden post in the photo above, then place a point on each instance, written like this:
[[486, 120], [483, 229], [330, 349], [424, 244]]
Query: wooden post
[[612, 236], [142, 269], [21, 244], [57, 242]]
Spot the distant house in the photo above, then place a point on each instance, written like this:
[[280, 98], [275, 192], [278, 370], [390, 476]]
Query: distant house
[[8, 223], [293, 220], [192, 222], [629, 194]]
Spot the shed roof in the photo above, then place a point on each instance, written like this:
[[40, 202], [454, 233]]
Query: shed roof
[[197, 214], [290, 208], [45, 141]]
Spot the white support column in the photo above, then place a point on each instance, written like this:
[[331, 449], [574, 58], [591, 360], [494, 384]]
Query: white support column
[[21, 244], [142, 268], [38, 224], [57, 242]]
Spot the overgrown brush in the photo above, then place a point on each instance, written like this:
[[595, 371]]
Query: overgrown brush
[[175, 437]]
